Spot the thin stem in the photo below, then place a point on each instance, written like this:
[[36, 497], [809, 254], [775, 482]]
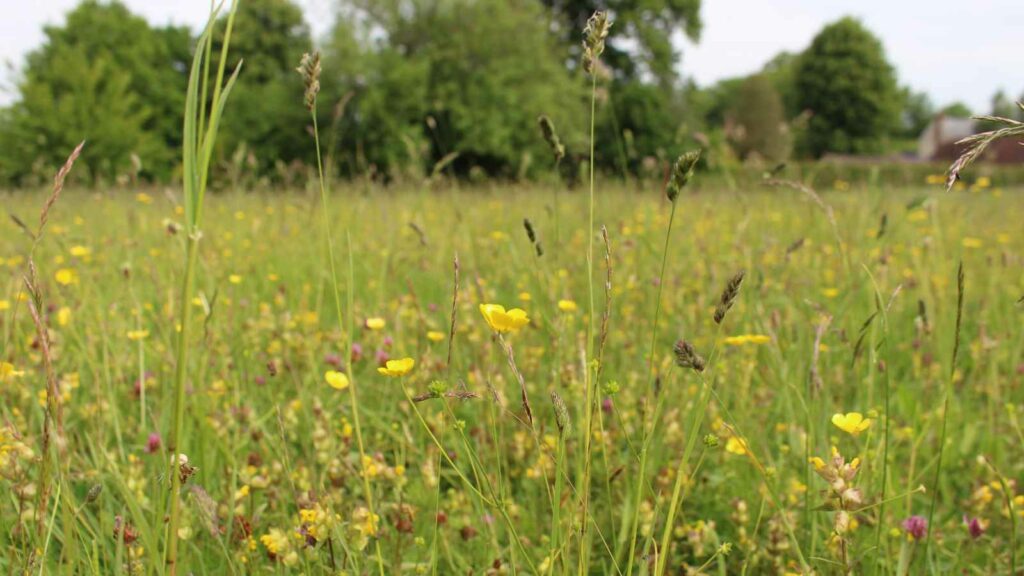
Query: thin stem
[[591, 395], [353, 398]]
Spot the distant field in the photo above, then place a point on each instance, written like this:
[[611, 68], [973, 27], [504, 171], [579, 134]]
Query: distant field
[[830, 314]]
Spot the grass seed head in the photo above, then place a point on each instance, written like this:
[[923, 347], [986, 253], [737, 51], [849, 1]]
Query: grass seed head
[[309, 68], [682, 172], [594, 35], [687, 356], [729, 295], [561, 414], [547, 129]]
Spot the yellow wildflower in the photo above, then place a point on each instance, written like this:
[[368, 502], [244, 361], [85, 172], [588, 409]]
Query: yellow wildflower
[[395, 368], [735, 445], [66, 277], [747, 339], [501, 321], [337, 380], [7, 371], [376, 323], [852, 423], [138, 334], [566, 305], [435, 336]]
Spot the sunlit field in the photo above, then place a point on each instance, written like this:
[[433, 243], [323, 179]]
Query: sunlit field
[[480, 455]]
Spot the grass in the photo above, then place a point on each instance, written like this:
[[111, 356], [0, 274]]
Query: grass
[[464, 482]]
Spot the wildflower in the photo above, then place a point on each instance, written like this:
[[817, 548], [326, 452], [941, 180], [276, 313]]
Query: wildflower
[[969, 242], [735, 445], [376, 323], [501, 321], [7, 371], [64, 316], [4, 305], [80, 251], [137, 335], [566, 305], [279, 546], [852, 423], [435, 336], [747, 339], [396, 368], [975, 527], [916, 527], [337, 380], [235, 279], [66, 277]]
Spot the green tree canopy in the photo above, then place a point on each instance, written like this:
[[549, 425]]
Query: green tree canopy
[[266, 115], [761, 120], [105, 76], [454, 76], [844, 79], [646, 26]]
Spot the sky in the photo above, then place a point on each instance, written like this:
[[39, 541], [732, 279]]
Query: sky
[[954, 50]]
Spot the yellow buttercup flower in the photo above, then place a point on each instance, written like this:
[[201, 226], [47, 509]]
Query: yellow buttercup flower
[[734, 445], [7, 371], [501, 321], [852, 423], [4, 305], [80, 251], [396, 368], [566, 305], [235, 279], [66, 277], [742, 339], [435, 336], [337, 380], [376, 323], [138, 334], [64, 316]]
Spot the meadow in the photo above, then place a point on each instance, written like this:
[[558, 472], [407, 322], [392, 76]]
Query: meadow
[[311, 450]]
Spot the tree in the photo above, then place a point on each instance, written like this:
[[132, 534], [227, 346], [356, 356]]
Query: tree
[[1003, 106], [107, 77], [461, 76], [957, 110], [917, 112], [644, 25], [266, 115], [850, 88], [760, 116]]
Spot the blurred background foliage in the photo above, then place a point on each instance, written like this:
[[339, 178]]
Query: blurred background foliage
[[417, 87]]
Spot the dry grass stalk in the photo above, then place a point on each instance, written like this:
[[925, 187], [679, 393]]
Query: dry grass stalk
[[978, 143]]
